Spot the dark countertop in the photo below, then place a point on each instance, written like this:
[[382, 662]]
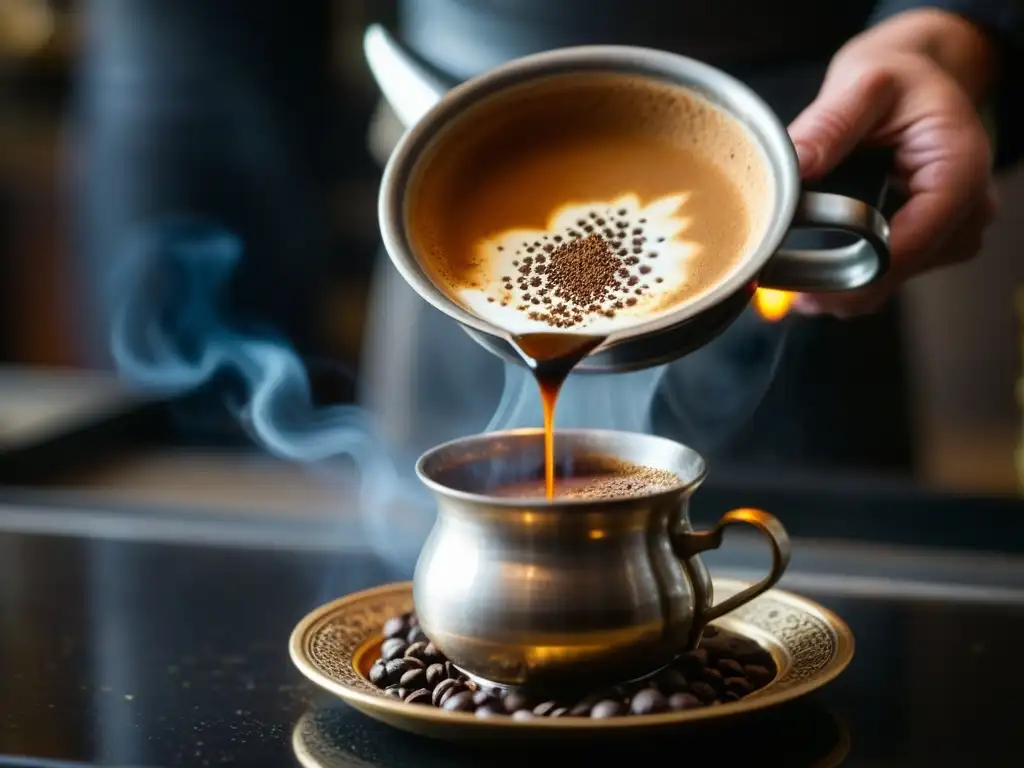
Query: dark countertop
[[154, 640]]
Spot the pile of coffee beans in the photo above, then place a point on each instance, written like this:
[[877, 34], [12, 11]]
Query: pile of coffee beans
[[725, 668]]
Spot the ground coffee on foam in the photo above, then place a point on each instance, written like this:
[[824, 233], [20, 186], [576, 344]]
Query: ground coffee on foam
[[585, 271], [595, 267], [725, 668]]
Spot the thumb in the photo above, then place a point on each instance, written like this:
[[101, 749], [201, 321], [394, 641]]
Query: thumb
[[844, 112]]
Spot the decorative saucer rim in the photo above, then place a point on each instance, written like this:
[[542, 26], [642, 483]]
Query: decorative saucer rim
[[374, 702]]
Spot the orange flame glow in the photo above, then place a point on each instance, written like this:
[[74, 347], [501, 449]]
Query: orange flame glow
[[773, 305]]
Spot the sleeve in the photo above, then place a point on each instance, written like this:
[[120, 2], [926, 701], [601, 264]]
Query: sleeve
[[1003, 20]]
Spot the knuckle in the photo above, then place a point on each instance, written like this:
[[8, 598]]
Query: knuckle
[[833, 124]]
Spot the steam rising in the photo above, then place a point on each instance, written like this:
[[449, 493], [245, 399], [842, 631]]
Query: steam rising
[[700, 400], [172, 333]]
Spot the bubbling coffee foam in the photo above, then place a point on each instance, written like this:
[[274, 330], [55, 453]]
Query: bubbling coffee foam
[[598, 479], [587, 203]]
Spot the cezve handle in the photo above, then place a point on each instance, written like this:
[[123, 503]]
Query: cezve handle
[[832, 269], [408, 87]]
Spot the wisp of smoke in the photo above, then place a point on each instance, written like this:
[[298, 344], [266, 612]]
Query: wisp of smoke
[[171, 334]]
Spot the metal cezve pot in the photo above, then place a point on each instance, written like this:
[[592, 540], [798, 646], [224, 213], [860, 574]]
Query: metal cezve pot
[[426, 107]]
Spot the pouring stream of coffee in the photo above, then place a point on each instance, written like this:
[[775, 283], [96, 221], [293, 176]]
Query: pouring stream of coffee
[[551, 357], [583, 205]]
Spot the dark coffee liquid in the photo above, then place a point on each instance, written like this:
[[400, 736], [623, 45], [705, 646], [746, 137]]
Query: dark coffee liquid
[[551, 357]]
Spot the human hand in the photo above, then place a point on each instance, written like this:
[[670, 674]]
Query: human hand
[[909, 83]]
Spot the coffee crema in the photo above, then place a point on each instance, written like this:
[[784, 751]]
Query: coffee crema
[[586, 203]]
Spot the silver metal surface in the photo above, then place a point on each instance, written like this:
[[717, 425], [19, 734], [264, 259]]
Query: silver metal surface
[[558, 593], [409, 88], [832, 269]]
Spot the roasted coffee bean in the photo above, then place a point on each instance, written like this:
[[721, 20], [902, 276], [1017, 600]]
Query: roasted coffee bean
[[393, 649], [422, 696], [710, 631], [378, 673], [493, 709], [398, 667], [758, 675], [416, 651], [712, 676], [414, 679], [738, 685], [416, 635], [454, 690], [412, 619], [544, 709], [514, 701], [678, 702], [431, 655], [724, 669], [648, 702], [441, 689], [671, 680], [482, 697], [730, 668], [396, 626], [739, 648], [692, 661], [435, 674], [459, 702], [608, 708], [583, 706], [444, 688], [704, 692]]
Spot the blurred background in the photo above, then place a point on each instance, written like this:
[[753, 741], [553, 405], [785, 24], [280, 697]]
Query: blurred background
[[951, 421]]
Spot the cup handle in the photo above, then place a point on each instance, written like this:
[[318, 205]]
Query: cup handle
[[832, 269], [690, 543]]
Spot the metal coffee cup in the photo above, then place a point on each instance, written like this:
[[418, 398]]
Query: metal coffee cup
[[570, 592], [420, 100]]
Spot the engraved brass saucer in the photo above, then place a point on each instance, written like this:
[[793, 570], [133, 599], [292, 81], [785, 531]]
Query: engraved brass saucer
[[335, 645]]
